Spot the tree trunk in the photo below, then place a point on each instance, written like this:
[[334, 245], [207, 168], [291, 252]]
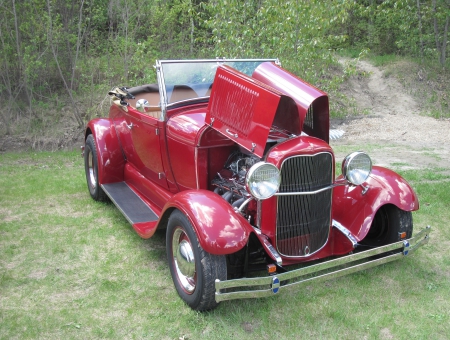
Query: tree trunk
[[79, 37], [76, 113], [441, 48], [444, 43], [22, 73], [419, 15]]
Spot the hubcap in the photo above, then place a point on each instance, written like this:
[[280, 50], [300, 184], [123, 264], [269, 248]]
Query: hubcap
[[184, 261], [91, 169]]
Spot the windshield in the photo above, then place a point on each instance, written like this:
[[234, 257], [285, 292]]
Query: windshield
[[190, 79]]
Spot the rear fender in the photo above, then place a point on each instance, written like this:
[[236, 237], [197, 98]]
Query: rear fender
[[356, 210], [220, 230], [110, 158]]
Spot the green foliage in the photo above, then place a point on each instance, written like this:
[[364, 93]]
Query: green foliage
[[71, 48], [297, 32], [404, 27]]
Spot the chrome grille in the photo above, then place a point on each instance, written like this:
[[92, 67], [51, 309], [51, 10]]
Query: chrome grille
[[303, 221]]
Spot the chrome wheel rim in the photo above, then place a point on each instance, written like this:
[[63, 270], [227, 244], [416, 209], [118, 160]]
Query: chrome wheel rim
[[184, 260], [92, 176]]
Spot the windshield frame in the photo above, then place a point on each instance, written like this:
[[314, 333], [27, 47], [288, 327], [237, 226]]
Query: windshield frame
[[159, 66]]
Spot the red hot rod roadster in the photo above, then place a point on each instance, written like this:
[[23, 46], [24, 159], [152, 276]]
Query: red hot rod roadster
[[231, 158]]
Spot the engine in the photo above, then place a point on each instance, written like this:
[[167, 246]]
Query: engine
[[230, 181]]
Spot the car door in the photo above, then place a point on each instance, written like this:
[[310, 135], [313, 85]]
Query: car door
[[140, 138]]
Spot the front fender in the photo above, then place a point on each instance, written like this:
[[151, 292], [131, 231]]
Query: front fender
[[110, 158], [356, 211], [220, 230]]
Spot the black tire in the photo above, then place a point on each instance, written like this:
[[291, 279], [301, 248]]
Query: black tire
[[193, 270], [388, 225], [91, 169]]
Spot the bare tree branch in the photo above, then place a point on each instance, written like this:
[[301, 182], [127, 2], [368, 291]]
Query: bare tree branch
[[55, 56]]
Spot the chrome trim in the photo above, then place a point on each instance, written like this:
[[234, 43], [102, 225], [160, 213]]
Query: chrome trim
[[257, 230], [334, 185], [268, 246], [255, 167], [348, 160], [305, 193], [242, 206], [91, 169], [184, 261], [220, 60], [338, 267], [196, 167], [364, 188], [258, 213], [235, 135], [162, 90], [346, 232]]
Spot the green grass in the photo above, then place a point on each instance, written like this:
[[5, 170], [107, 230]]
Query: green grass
[[74, 268]]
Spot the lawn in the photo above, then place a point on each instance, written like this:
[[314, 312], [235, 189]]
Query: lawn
[[74, 268]]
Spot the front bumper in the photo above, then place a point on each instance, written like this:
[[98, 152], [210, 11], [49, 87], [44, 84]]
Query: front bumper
[[266, 286]]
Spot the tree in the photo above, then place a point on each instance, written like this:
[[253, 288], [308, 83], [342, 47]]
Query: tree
[[441, 38], [52, 41]]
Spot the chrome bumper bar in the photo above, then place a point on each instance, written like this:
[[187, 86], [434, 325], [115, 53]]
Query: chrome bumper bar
[[266, 286]]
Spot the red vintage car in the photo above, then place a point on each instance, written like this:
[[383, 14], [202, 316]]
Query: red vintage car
[[232, 159]]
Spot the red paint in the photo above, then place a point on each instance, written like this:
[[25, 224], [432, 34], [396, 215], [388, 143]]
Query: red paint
[[109, 155], [182, 133], [303, 93], [242, 109], [219, 229], [356, 211], [145, 229], [184, 127], [152, 192]]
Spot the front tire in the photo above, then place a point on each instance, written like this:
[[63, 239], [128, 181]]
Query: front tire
[[91, 169], [193, 270], [388, 225]]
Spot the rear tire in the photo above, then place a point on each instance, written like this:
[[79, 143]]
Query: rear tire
[[193, 270], [388, 225], [91, 169]]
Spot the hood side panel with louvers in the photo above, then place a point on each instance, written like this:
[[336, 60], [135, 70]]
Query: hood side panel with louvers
[[242, 109]]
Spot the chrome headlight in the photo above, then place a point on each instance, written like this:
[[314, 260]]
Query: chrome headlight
[[263, 180], [356, 167]]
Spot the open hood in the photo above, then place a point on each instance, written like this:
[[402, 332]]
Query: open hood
[[245, 108], [312, 103], [242, 108]]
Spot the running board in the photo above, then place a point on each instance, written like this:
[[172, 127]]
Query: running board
[[134, 209]]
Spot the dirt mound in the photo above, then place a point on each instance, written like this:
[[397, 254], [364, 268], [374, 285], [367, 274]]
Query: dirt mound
[[392, 118]]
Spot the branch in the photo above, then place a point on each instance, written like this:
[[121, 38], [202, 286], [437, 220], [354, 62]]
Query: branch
[[50, 37]]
